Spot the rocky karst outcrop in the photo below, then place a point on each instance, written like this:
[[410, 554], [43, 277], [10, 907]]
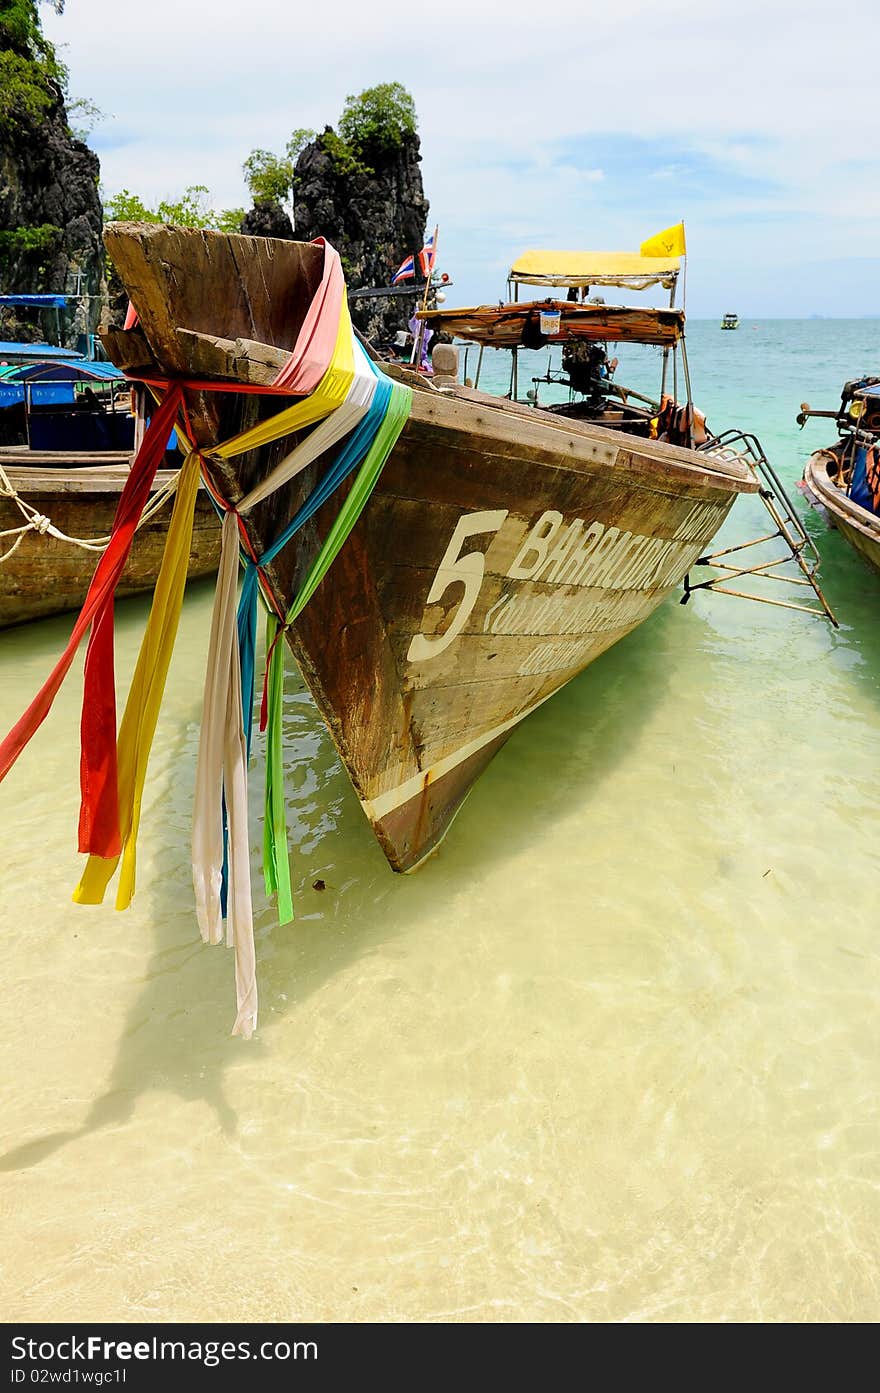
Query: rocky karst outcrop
[[50, 222], [50, 209], [373, 219], [267, 219]]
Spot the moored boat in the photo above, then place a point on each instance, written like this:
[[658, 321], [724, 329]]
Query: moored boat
[[68, 435], [56, 517], [843, 479], [502, 549]]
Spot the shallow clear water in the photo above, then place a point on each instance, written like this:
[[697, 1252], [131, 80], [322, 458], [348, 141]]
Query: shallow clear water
[[610, 1055]]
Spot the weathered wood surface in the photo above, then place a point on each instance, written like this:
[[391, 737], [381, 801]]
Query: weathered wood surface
[[860, 528], [501, 326], [540, 540], [47, 576], [241, 360], [129, 350], [19, 457]]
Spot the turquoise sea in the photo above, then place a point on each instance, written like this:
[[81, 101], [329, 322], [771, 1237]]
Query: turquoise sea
[[611, 1055]]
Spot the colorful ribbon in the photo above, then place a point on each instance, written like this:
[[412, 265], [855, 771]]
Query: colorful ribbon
[[138, 724], [394, 404], [99, 823], [351, 405]]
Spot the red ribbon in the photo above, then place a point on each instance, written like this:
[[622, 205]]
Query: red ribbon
[[99, 816], [264, 700]]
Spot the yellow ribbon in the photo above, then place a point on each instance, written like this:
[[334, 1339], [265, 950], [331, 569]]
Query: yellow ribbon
[[138, 724], [330, 393]]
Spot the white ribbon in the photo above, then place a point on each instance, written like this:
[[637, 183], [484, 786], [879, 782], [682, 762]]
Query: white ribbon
[[222, 768], [222, 760], [325, 435]]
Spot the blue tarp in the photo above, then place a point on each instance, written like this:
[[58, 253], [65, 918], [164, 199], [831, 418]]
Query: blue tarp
[[51, 383], [21, 352], [74, 430], [41, 394], [35, 302], [52, 394], [79, 371]]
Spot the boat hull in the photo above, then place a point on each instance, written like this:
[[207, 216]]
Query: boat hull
[[498, 556], [46, 576], [502, 549], [860, 528]]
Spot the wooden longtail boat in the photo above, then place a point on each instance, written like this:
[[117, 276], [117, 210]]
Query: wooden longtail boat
[[838, 478], [46, 574], [501, 551], [61, 482], [860, 527]]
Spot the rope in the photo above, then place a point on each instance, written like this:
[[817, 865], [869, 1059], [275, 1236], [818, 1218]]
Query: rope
[[39, 523]]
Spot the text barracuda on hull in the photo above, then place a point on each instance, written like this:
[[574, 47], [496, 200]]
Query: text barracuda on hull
[[583, 555]]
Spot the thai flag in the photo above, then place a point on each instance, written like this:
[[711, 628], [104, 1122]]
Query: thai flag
[[426, 257], [406, 271]]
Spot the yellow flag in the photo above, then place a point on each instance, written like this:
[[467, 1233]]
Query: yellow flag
[[670, 242]]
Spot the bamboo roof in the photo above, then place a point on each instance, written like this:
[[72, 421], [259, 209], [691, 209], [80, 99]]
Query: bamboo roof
[[501, 326]]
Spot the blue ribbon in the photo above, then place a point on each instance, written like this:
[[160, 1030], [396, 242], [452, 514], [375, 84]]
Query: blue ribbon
[[347, 460]]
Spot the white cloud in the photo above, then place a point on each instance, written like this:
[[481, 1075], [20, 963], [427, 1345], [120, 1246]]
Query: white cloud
[[772, 91]]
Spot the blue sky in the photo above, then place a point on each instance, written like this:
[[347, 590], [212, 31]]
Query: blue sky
[[581, 125]]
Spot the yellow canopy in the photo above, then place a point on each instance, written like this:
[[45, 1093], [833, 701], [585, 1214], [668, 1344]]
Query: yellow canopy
[[595, 268]]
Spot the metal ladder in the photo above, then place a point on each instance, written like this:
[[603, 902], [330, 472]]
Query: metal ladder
[[735, 445]]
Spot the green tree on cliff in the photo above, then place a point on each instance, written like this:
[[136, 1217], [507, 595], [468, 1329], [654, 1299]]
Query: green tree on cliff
[[191, 209], [379, 119], [270, 177], [31, 77], [376, 121]]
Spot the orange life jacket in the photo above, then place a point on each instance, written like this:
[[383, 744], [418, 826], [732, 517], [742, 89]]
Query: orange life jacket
[[872, 474]]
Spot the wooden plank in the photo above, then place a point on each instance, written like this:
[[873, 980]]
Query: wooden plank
[[129, 350], [501, 326], [240, 360], [18, 457], [251, 287]]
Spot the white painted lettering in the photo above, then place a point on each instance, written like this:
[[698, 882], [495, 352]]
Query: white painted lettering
[[468, 569], [570, 569], [549, 570], [537, 543]]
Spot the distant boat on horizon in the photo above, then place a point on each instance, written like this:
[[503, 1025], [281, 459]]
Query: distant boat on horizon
[[730, 321]]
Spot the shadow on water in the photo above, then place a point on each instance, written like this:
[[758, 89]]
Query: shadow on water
[[348, 903]]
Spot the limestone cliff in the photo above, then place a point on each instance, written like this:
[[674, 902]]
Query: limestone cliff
[[50, 209], [267, 219], [374, 219]]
